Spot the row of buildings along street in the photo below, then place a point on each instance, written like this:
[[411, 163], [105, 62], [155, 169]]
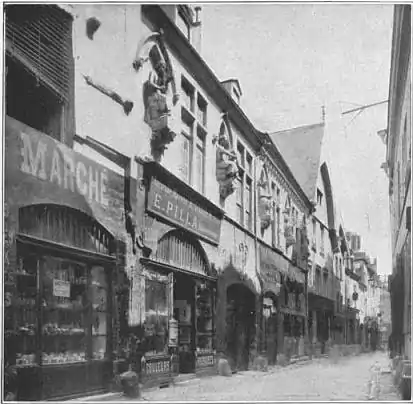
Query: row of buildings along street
[[146, 217]]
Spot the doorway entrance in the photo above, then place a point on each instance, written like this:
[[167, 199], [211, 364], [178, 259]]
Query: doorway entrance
[[184, 313], [270, 327], [240, 325]]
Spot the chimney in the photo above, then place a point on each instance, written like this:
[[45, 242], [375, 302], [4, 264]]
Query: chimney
[[233, 88]]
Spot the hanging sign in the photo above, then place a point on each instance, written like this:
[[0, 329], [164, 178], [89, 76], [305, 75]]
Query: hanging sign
[[61, 288]]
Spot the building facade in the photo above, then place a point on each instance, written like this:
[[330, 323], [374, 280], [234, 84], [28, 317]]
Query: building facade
[[397, 166], [325, 256], [158, 200]]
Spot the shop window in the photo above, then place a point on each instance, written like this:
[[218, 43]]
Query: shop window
[[38, 65], [64, 306], [204, 318], [156, 313]]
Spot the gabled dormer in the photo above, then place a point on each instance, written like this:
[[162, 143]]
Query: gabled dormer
[[233, 88]]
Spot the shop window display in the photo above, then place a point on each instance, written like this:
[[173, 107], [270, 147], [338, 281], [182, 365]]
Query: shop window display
[[156, 313], [25, 309], [59, 306], [204, 319], [64, 307]]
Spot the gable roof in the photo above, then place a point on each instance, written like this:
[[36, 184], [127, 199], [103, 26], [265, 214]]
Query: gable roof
[[301, 149]]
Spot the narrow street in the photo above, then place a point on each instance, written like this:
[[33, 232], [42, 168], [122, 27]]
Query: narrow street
[[316, 380]]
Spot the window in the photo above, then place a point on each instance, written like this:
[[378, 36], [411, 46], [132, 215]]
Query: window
[[319, 197], [322, 239], [244, 203], [201, 111], [199, 169], [188, 96], [314, 242], [156, 313], [248, 203], [38, 63], [191, 145], [239, 199]]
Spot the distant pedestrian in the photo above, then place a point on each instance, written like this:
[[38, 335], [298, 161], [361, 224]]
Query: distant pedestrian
[[390, 346]]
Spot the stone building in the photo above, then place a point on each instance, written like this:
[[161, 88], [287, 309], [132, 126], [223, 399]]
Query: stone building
[[302, 149], [397, 138], [132, 162]]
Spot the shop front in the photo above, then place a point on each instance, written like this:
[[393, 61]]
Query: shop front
[[293, 309], [238, 298], [272, 267], [63, 253], [177, 285]]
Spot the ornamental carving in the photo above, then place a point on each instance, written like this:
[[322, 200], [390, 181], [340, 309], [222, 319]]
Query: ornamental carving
[[226, 162], [156, 97]]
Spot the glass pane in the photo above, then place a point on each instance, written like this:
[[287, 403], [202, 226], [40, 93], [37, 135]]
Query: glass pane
[[184, 168], [22, 329], [99, 347], [199, 170], [156, 317], [64, 303], [204, 343]]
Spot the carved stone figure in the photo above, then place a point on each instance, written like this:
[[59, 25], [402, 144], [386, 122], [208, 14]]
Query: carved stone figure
[[155, 92], [227, 166]]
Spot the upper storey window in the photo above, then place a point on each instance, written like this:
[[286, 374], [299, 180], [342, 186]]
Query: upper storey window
[[38, 64], [319, 198], [191, 140], [244, 190]]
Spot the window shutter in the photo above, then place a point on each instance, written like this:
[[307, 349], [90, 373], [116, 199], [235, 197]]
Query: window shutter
[[40, 37]]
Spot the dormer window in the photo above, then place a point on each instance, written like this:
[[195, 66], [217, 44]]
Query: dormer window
[[319, 197]]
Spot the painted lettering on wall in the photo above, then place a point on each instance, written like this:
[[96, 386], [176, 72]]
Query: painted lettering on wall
[[165, 202], [48, 160]]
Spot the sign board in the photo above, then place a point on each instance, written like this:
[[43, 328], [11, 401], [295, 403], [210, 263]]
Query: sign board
[[168, 204], [61, 288]]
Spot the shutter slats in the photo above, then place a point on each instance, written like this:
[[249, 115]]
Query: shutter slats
[[42, 56], [42, 35], [43, 68]]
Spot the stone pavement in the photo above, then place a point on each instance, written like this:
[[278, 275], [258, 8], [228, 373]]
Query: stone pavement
[[317, 380]]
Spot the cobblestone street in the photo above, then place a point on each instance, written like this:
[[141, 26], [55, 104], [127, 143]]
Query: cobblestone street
[[316, 380]]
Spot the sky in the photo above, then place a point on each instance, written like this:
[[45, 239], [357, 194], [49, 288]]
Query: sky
[[291, 59]]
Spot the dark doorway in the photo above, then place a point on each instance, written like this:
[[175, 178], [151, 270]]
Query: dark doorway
[[240, 325], [270, 328], [184, 313]]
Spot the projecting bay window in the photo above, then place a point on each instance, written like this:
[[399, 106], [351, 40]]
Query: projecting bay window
[[190, 145], [39, 69]]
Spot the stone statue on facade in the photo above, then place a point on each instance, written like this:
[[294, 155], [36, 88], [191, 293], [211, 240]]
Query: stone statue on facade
[[226, 165], [155, 93]]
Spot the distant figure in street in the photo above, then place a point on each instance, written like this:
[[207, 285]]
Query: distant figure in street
[[390, 346]]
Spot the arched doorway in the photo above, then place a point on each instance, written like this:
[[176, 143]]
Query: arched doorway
[[240, 320], [191, 290]]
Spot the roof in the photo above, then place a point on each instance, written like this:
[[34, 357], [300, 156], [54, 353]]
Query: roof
[[301, 149]]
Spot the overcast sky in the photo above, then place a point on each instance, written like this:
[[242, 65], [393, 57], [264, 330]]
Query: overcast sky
[[291, 60]]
